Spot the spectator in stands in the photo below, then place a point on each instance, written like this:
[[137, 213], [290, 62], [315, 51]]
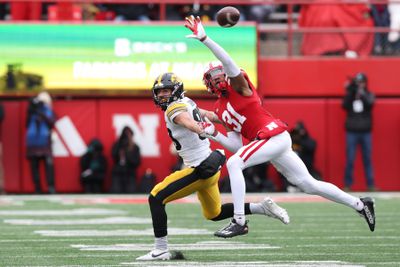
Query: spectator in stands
[[1, 149], [89, 11], [127, 158], [40, 121], [130, 11], [260, 13], [3, 11], [394, 35], [147, 181], [93, 168], [337, 16], [381, 17], [179, 12], [358, 103], [257, 180], [104, 13], [305, 146]]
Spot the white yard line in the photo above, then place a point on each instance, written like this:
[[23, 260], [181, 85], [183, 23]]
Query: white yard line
[[71, 212], [216, 245], [251, 263], [101, 221], [127, 232]]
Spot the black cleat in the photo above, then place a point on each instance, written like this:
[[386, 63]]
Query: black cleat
[[232, 229], [368, 212]]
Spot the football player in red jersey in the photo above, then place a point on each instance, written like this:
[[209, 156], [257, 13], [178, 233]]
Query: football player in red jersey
[[239, 108]]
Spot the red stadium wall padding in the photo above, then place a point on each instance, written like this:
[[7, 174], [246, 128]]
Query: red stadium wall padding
[[385, 146], [11, 130], [326, 76], [81, 120]]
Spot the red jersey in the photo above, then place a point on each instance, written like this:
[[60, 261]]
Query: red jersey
[[245, 114]]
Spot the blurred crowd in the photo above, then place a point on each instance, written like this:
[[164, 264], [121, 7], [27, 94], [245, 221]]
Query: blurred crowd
[[21, 10]]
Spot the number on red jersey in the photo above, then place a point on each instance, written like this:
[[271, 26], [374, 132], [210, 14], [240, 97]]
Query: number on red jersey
[[233, 118]]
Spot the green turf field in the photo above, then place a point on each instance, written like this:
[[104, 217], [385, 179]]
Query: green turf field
[[72, 230]]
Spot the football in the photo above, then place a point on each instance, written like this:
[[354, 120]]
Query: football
[[228, 16]]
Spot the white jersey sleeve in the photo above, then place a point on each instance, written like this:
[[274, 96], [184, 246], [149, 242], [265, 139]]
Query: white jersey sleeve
[[192, 148]]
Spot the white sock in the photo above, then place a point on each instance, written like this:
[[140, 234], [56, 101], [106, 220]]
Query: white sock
[[256, 208], [161, 243], [239, 218], [238, 188], [359, 205]]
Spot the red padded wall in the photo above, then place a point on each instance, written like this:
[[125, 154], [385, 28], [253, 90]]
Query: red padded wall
[[11, 139], [385, 146], [318, 77], [324, 119]]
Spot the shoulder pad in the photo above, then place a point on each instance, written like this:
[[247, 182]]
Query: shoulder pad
[[175, 107]]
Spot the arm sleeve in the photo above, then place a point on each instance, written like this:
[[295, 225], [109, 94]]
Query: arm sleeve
[[232, 142], [230, 67]]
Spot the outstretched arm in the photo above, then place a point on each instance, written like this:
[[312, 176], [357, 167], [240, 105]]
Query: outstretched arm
[[237, 80], [233, 141]]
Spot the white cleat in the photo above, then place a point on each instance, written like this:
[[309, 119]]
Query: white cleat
[[271, 209], [155, 255]]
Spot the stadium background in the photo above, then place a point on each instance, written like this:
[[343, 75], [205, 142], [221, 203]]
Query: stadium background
[[293, 87]]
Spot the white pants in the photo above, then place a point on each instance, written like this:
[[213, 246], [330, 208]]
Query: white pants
[[278, 150]]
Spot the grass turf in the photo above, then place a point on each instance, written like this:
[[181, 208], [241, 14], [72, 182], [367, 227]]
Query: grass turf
[[320, 234]]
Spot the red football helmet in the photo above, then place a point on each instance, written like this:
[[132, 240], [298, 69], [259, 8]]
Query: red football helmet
[[214, 78]]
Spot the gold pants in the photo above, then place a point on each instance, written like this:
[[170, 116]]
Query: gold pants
[[185, 182]]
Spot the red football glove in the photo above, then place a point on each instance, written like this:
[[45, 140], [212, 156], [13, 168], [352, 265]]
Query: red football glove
[[194, 24]]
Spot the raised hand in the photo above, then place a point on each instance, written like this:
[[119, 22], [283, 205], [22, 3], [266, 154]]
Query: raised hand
[[194, 24]]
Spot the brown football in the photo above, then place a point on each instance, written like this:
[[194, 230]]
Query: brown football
[[228, 16]]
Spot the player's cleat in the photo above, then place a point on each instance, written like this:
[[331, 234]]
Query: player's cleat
[[368, 212], [155, 255], [232, 229], [271, 209]]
